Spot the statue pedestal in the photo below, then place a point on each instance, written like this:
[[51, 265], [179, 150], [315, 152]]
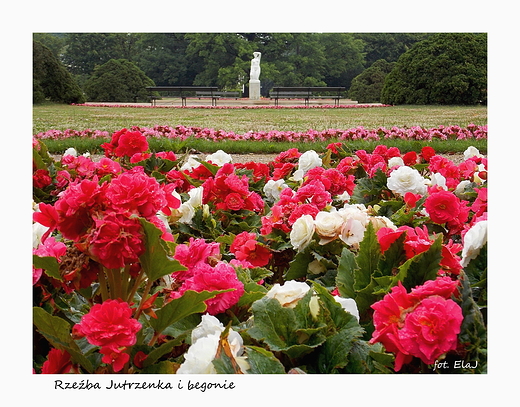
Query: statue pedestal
[[254, 89]]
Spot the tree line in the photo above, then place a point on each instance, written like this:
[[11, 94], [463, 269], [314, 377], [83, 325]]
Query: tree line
[[223, 59]]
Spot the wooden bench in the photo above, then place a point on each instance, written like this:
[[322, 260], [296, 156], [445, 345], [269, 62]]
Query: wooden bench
[[184, 92], [307, 93], [220, 94]]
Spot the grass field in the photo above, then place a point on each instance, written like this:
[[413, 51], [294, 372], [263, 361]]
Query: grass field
[[63, 117]]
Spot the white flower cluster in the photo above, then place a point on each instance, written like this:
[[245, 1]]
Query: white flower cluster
[[205, 339], [348, 224]]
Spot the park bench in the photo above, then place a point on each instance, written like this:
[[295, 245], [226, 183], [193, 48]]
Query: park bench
[[306, 93], [184, 92], [220, 94]]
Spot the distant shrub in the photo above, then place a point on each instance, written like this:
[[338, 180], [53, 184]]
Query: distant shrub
[[366, 87], [446, 68], [118, 80], [51, 80]]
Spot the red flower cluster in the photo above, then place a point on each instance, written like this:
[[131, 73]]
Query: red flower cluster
[[110, 325], [58, 362], [207, 273], [102, 218], [417, 240], [230, 192], [332, 179], [249, 251], [424, 323], [125, 143]]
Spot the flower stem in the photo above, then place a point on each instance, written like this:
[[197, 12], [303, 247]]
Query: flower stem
[[103, 285], [143, 298], [136, 285]]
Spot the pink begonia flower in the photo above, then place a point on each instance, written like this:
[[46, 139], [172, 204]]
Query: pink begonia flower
[[246, 247], [111, 326], [424, 323], [208, 278]]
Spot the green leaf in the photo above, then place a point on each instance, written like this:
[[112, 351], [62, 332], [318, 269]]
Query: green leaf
[[162, 350], [392, 257], [261, 361], [346, 270], [155, 260], [49, 265], [367, 258], [368, 190], [191, 302], [58, 332], [164, 367], [422, 267], [334, 354], [299, 266], [291, 330]]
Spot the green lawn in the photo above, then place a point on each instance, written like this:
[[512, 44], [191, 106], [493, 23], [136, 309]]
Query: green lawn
[[63, 117]]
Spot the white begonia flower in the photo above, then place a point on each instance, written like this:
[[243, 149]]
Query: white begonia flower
[[345, 197], [195, 195], [439, 180], [406, 179], [38, 231], [381, 222], [328, 225], [471, 152], [302, 232], [348, 305], [460, 189], [358, 212], [352, 232], [395, 162], [187, 212], [190, 163], [70, 151], [309, 160], [205, 339], [219, 158], [273, 189], [288, 294], [474, 239]]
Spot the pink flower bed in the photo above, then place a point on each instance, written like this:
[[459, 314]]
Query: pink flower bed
[[471, 132]]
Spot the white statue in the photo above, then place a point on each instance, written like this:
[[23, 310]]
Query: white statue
[[255, 66]]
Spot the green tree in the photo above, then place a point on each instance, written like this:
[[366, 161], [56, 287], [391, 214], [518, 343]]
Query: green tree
[[366, 87], [163, 58], [223, 55], [388, 46], [344, 58], [51, 80], [118, 80], [446, 68], [85, 51], [54, 42]]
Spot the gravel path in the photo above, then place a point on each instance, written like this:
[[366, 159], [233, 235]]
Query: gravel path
[[266, 158]]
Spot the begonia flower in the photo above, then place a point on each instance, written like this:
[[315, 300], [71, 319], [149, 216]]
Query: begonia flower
[[205, 277], [442, 206], [58, 362], [406, 179], [289, 293], [246, 247], [474, 240], [111, 326], [302, 232]]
